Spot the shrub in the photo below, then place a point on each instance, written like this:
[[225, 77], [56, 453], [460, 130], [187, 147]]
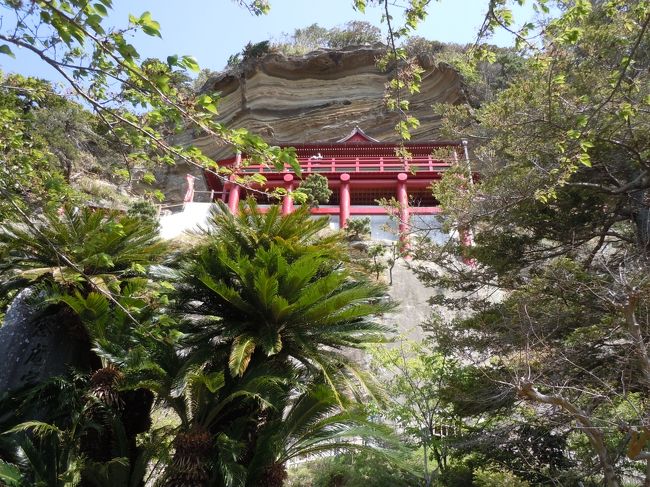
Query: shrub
[[317, 190], [357, 229], [493, 477], [144, 210]]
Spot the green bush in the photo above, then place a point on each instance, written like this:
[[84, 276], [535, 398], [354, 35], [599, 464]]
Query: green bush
[[317, 190], [313, 37], [493, 477], [456, 476], [357, 229], [361, 469], [144, 210]]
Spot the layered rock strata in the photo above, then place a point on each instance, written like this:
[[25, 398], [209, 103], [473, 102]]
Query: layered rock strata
[[319, 97]]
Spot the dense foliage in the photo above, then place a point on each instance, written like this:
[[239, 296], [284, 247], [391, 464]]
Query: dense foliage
[[316, 189], [554, 303], [536, 371], [137, 104], [241, 347], [310, 38]]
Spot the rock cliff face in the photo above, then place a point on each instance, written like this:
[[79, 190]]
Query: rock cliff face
[[319, 97]]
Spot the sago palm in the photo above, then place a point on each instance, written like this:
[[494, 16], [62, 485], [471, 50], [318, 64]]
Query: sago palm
[[83, 262], [87, 267], [53, 453], [266, 294], [77, 247], [313, 422], [212, 436], [265, 286]]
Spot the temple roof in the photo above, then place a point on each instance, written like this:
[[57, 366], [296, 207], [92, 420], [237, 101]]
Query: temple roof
[[357, 135], [359, 144]]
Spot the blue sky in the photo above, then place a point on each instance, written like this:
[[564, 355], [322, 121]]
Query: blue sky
[[212, 30]]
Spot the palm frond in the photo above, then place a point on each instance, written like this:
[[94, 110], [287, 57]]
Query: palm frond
[[38, 428], [10, 474], [240, 355], [80, 242]]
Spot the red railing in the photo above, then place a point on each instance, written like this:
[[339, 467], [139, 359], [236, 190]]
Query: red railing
[[359, 164]]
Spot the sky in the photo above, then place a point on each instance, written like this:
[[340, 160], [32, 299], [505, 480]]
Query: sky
[[212, 30]]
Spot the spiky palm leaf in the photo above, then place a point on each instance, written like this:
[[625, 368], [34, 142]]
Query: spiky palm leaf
[[313, 422], [209, 442], [92, 262], [48, 452], [284, 294], [77, 246], [10, 474], [250, 229], [267, 306]]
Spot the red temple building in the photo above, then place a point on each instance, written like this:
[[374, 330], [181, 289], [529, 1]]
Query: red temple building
[[360, 170]]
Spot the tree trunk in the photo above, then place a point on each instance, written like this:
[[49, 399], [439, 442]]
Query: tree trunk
[[641, 202], [273, 476], [427, 477], [593, 433], [639, 342], [189, 466]]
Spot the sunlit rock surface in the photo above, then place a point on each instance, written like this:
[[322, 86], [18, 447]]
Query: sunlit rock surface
[[319, 97]]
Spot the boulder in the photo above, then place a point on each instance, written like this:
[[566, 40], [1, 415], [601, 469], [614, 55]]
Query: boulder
[[39, 341]]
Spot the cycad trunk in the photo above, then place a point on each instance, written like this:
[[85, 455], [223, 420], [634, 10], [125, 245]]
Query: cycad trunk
[[189, 467], [132, 409], [273, 476]]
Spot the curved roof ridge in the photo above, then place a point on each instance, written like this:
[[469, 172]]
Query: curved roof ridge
[[357, 135]]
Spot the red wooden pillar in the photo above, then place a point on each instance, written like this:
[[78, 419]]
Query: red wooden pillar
[[466, 237], [344, 200], [233, 195], [403, 200], [225, 192], [235, 189], [467, 240], [287, 201], [189, 194]]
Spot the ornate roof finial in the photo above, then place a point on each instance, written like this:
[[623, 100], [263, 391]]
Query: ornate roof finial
[[357, 135]]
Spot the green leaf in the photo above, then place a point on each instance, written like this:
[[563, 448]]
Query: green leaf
[[272, 344], [560, 79], [9, 474], [505, 15], [584, 159], [626, 111], [101, 9], [149, 26], [240, 355], [571, 36], [5, 49], [214, 381], [148, 178], [190, 63], [261, 7], [39, 428], [586, 145], [207, 104]]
